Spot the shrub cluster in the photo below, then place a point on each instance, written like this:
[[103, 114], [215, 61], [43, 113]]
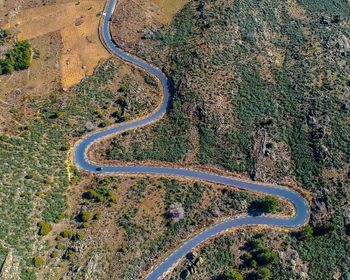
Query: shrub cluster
[[260, 257], [101, 194], [267, 204], [17, 58]]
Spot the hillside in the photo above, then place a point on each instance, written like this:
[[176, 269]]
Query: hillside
[[261, 89]]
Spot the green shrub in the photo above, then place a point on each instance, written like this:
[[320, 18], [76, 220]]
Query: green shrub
[[124, 249], [38, 261], [59, 218], [86, 216], [85, 225], [54, 255], [264, 273], [4, 35], [65, 147], [59, 246], [69, 255], [44, 228], [58, 238], [97, 216], [308, 232], [79, 235], [6, 66], [39, 194], [67, 233], [233, 274], [150, 80]]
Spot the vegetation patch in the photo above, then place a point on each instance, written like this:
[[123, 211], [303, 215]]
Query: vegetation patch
[[34, 185], [17, 58]]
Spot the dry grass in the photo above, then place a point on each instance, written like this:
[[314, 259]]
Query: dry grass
[[78, 26], [39, 80], [162, 10]]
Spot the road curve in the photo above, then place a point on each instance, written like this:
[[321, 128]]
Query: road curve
[[301, 208]]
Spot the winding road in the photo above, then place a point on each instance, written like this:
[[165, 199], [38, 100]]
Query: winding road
[[80, 157]]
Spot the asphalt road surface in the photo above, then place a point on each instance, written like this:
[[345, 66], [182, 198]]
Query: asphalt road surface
[[301, 208]]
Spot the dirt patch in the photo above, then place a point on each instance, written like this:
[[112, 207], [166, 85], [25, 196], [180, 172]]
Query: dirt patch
[[77, 23]]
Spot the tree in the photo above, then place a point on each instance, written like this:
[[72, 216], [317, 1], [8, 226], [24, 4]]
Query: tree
[[267, 257], [124, 86], [233, 274], [91, 194]]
